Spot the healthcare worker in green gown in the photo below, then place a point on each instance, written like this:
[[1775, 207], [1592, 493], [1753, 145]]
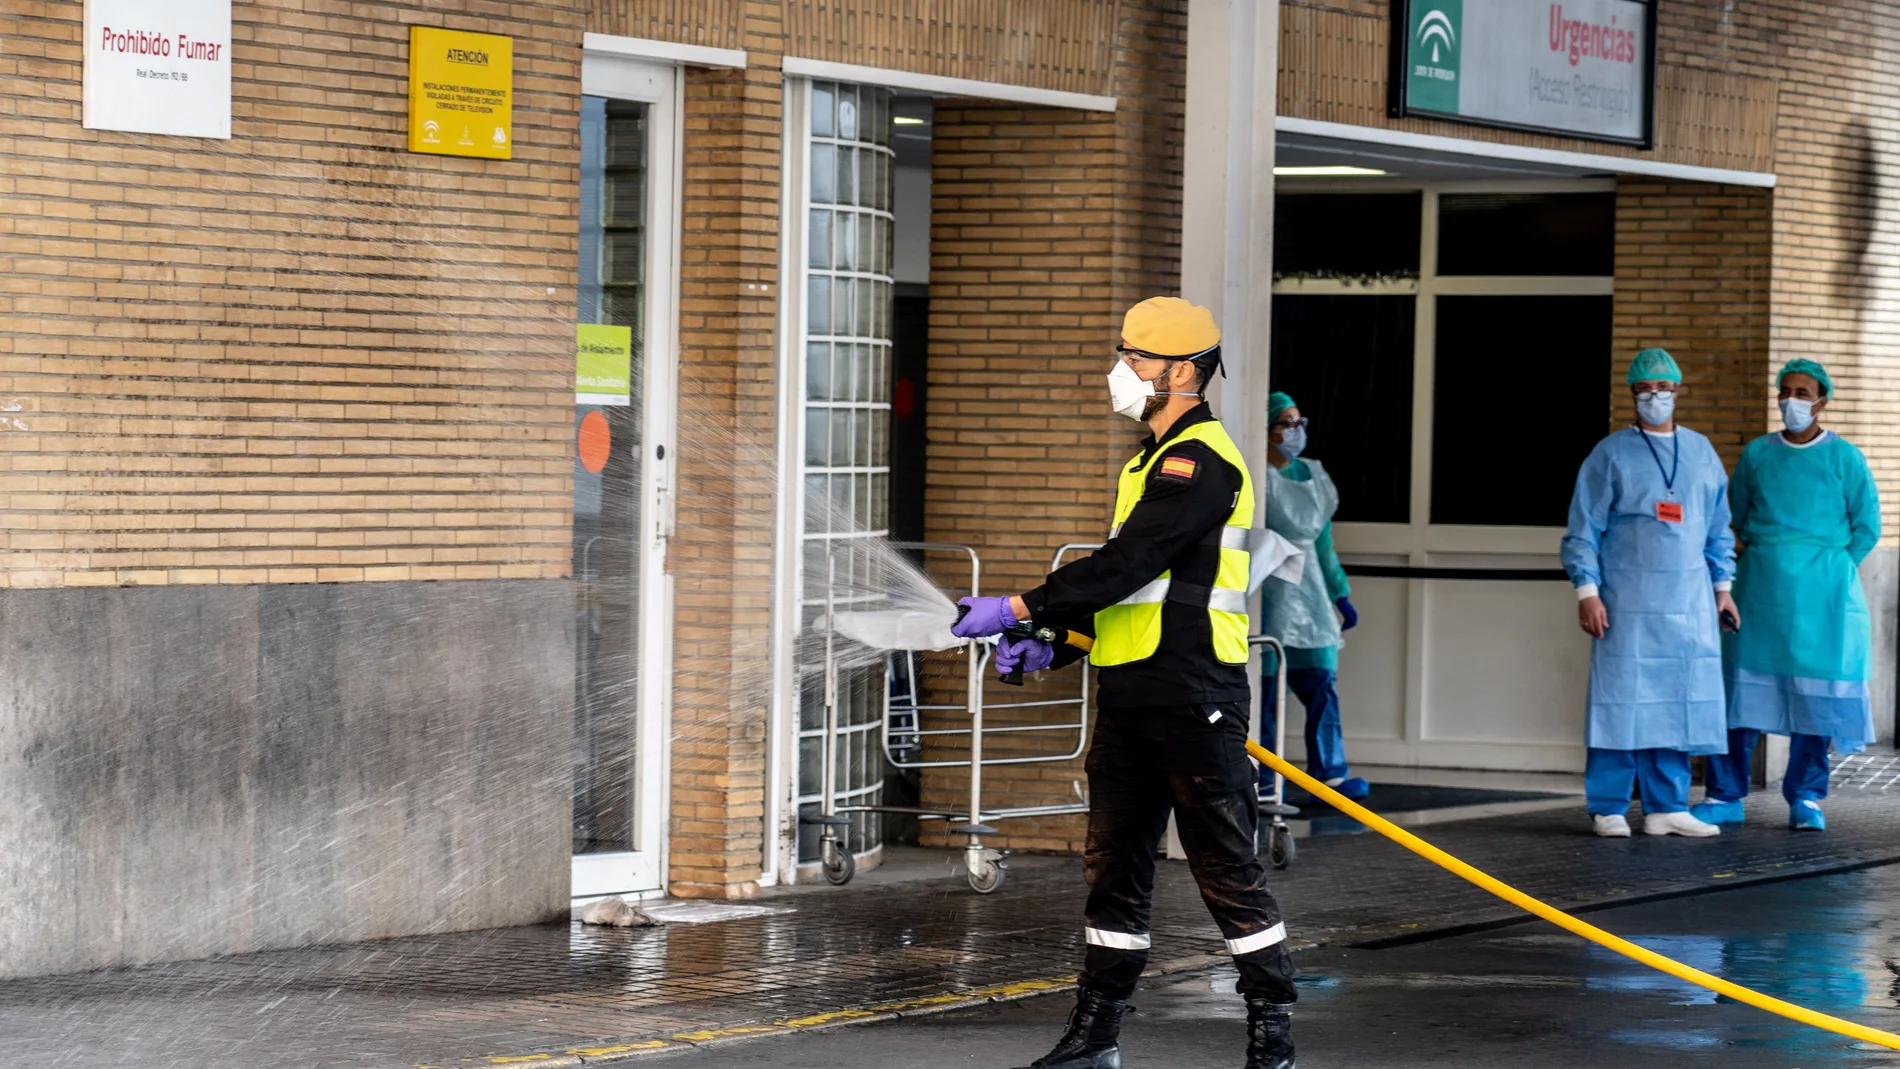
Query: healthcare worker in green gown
[[1806, 515], [1649, 551], [1308, 616]]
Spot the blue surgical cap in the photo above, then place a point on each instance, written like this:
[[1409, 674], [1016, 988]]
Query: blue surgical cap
[[1801, 365], [1654, 365]]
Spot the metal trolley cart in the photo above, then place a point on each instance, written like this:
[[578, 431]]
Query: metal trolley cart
[[903, 734]]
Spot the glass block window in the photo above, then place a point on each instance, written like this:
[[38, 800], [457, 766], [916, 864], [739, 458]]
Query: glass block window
[[847, 419]]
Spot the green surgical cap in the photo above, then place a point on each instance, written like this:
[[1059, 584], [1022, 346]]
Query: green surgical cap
[[1278, 403], [1654, 365], [1803, 366]]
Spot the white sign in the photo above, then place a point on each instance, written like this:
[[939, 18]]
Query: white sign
[[1569, 66], [159, 66]]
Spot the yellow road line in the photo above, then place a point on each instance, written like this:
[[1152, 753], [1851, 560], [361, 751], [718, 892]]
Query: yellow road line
[[1564, 920]]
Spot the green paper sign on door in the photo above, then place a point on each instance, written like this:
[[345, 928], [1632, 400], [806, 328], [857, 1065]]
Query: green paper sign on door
[[603, 364]]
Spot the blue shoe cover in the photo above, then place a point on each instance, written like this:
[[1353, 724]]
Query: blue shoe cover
[[1717, 812], [1806, 815], [1355, 789]]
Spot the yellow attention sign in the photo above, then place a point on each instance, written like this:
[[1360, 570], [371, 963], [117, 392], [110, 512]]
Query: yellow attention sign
[[461, 88]]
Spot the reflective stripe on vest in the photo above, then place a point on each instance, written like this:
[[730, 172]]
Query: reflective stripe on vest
[[1130, 630]]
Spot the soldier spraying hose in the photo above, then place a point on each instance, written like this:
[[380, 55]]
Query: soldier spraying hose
[[1166, 601]]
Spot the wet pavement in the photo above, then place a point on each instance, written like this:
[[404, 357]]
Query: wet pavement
[[1519, 996], [892, 944]]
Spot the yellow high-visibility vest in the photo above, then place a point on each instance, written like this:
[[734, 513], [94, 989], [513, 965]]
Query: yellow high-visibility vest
[[1130, 629]]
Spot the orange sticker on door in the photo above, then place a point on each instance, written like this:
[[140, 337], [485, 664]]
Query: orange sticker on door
[[596, 441]]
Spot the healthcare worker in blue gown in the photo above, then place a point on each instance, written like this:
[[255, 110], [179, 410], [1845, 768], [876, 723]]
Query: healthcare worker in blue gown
[[1308, 616], [1806, 515], [1648, 549]]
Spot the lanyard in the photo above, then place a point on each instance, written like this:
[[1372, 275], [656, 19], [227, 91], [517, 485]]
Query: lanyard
[[1675, 460]]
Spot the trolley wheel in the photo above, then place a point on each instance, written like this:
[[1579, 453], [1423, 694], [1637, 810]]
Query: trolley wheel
[[989, 879], [1280, 848], [838, 864]]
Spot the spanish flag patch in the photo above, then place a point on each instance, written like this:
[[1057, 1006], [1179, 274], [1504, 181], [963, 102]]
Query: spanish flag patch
[[1179, 467]]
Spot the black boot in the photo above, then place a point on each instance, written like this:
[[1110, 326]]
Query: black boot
[[1094, 1026], [1269, 1034]]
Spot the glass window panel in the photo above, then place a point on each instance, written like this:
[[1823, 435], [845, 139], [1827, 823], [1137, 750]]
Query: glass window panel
[[841, 420], [817, 370], [842, 305], [847, 175], [881, 437], [824, 98], [861, 488], [1346, 234], [1347, 360], [881, 501], [811, 756], [840, 373], [866, 354], [1528, 484], [1527, 233], [867, 242], [817, 435], [817, 517], [848, 112], [846, 257], [819, 306], [824, 174], [820, 240], [867, 302], [867, 177], [861, 432]]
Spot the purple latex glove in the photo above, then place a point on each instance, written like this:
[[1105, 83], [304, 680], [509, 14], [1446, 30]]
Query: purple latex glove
[[987, 616], [1028, 654]]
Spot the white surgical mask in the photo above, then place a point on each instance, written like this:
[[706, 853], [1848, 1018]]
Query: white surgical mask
[[1656, 411], [1128, 392], [1796, 415], [1292, 442]]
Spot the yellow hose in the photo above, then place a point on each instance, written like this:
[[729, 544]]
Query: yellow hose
[[1561, 919]]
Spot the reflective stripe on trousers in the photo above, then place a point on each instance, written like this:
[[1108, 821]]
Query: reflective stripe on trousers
[[1247, 944], [1101, 937]]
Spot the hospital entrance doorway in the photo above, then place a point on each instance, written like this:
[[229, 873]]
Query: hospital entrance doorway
[[1451, 344]]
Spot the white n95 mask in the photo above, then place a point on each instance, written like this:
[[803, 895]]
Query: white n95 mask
[[1128, 392]]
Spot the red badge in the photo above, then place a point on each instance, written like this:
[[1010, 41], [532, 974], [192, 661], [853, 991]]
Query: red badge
[[1179, 467], [1669, 511]]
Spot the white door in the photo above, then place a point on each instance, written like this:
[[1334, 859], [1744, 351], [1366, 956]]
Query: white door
[[622, 474]]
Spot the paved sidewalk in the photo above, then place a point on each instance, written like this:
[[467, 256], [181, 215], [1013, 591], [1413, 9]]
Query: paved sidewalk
[[561, 995]]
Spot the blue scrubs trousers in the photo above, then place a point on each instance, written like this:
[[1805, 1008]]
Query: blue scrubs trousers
[[1662, 775], [1318, 690], [1807, 768]]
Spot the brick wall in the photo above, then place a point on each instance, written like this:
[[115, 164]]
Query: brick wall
[[1045, 226], [1692, 276], [303, 354], [721, 554]]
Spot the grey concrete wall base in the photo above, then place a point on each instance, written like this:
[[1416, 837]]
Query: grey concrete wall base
[[1880, 577], [188, 771]]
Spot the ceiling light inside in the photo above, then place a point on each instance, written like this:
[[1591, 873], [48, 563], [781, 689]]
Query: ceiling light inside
[[905, 120], [1327, 172]]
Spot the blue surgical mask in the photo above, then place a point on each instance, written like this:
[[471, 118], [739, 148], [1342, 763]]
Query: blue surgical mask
[[1797, 415], [1656, 411], [1292, 442]]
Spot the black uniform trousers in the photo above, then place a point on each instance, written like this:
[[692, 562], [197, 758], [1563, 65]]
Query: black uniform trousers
[[1191, 759]]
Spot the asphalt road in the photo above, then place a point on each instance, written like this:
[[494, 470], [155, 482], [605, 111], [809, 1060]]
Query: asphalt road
[[1523, 996]]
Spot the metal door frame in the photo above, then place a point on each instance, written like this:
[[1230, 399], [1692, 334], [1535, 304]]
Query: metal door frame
[[643, 870]]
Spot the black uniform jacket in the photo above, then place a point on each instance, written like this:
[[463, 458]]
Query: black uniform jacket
[[1175, 528]]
